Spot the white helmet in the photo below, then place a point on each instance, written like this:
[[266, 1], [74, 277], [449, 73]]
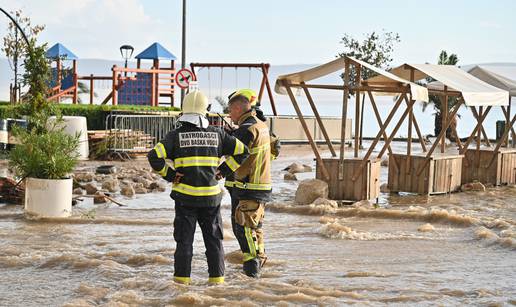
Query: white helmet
[[195, 102]]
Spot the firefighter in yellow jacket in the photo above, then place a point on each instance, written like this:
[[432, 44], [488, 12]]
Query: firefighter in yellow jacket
[[251, 187], [195, 148]]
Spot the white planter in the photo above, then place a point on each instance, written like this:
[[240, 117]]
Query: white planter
[[48, 197], [72, 126]]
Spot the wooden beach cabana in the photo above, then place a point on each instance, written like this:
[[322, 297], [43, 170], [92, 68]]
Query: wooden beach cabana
[[441, 172], [354, 178], [493, 165]]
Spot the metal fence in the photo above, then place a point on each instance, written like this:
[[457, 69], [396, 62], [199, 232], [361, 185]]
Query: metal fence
[[136, 134]]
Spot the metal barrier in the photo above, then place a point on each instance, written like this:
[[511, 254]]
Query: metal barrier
[[136, 134]]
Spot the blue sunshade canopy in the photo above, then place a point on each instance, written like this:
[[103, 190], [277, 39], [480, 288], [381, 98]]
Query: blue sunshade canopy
[[60, 51], [156, 52]]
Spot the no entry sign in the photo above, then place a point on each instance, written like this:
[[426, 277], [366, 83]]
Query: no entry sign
[[184, 77]]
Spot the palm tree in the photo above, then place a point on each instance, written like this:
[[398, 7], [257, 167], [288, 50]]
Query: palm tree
[[444, 59]]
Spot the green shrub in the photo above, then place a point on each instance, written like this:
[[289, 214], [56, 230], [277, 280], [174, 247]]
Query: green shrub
[[49, 155]]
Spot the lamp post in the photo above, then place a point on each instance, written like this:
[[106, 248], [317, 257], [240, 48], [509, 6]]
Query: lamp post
[[126, 51]]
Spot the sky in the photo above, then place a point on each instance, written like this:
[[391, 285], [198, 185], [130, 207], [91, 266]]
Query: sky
[[278, 32]]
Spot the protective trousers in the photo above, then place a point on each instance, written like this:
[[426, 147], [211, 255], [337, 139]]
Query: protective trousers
[[210, 221], [246, 221]]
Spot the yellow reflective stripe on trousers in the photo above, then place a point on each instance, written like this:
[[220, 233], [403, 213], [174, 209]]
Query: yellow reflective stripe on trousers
[[248, 257], [182, 280], [250, 241], [239, 147], [160, 151], [232, 163], [196, 161], [195, 191], [216, 280], [253, 186], [164, 170]]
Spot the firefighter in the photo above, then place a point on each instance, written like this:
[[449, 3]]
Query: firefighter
[[251, 187], [196, 150]]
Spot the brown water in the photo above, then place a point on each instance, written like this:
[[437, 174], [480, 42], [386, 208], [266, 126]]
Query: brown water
[[444, 250]]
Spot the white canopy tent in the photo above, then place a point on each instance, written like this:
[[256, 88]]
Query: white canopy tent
[[474, 91], [418, 92], [493, 78]]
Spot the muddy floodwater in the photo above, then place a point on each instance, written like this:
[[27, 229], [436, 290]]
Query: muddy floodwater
[[442, 250]]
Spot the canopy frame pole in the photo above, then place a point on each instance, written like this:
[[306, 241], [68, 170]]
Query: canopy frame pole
[[380, 124], [343, 120], [378, 136], [358, 77], [305, 128], [434, 145], [497, 148], [318, 118]]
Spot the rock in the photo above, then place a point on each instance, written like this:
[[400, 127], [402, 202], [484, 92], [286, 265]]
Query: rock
[[84, 177], [99, 178], [384, 188], [99, 198], [110, 185], [78, 191], [385, 162], [289, 176], [473, 186], [325, 202], [140, 190], [298, 168], [90, 188], [106, 169], [363, 204], [157, 186], [426, 228], [127, 182], [127, 191], [309, 190]]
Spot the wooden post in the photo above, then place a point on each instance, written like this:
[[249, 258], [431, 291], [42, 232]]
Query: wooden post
[[75, 82], [262, 84], [480, 111], [269, 90], [343, 119], [420, 136], [138, 63], [409, 128], [434, 145], [307, 131], [115, 85], [358, 77], [319, 120], [444, 117], [92, 93], [472, 135]]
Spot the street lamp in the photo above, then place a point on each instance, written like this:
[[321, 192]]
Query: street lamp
[[126, 51]]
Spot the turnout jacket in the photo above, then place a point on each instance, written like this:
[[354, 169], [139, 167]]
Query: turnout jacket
[[252, 181], [196, 154]]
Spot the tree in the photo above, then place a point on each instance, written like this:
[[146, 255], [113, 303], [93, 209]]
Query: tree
[[376, 49], [435, 100], [14, 46]]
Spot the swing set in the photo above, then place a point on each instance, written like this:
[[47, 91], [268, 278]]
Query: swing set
[[263, 67]]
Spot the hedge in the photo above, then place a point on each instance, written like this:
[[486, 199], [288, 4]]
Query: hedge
[[95, 114]]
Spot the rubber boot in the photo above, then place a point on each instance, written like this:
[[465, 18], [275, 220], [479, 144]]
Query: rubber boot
[[252, 268]]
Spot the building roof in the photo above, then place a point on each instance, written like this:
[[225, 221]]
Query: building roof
[[60, 51], [156, 52]]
